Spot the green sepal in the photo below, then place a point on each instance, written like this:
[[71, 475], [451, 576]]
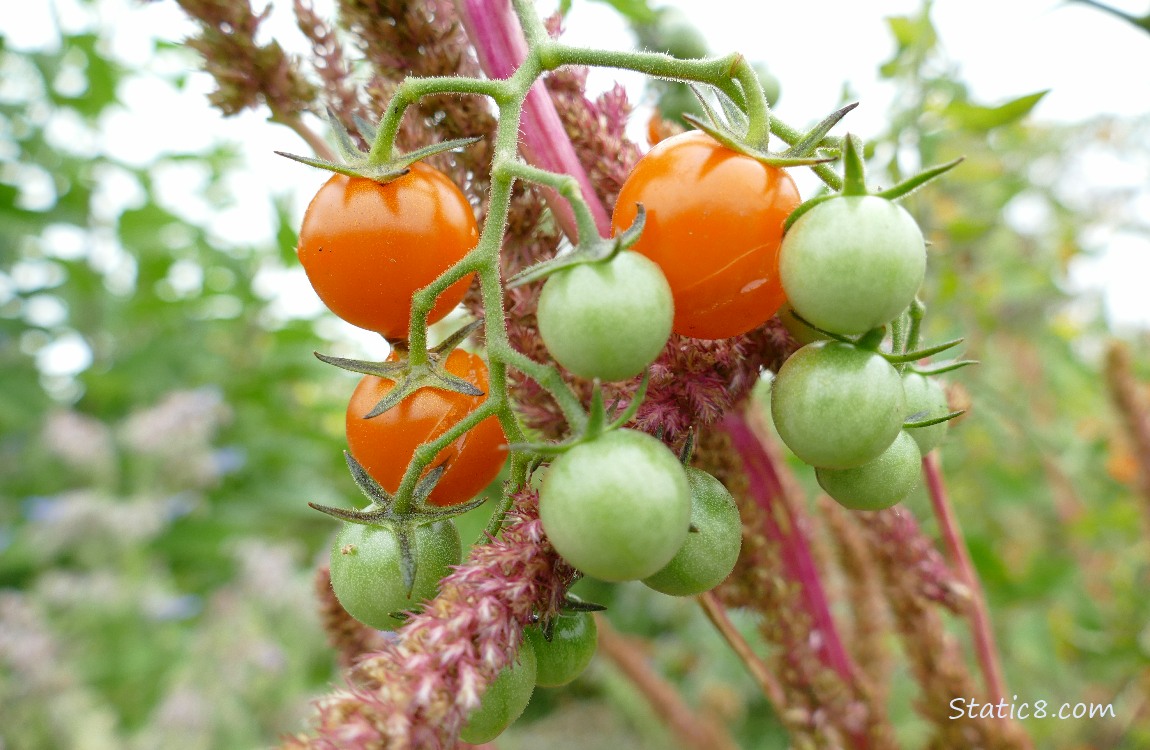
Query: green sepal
[[913, 424], [407, 562], [914, 356], [836, 336], [410, 378], [636, 401], [597, 250], [814, 137], [572, 603], [598, 422], [688, 447], [381, 510], [732, 141], [356, 161], [804, 207], [944, 367], [909, 185], [854, 166], [367, 129]]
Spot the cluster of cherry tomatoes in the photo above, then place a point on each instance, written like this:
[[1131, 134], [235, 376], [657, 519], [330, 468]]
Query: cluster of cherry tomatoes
[[850, 265], [711, 261]]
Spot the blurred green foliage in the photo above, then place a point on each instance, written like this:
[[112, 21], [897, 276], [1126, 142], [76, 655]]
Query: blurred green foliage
[[161, 431]]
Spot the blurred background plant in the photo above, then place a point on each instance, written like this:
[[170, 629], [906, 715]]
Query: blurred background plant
[[162, 427]]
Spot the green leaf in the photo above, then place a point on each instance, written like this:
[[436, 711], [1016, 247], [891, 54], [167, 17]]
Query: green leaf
[[977, 117]]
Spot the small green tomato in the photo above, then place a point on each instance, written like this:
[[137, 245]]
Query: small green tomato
[[616, 507], [852, 263], [574, 639], [503, 701], [879, 484], [709, 554], [607, 319], [837, 405], [365, 572]]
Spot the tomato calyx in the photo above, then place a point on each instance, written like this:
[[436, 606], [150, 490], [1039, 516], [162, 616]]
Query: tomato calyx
[[408, 377], [731, 128], [592, 250], [571, 604], [945, 366], [918, 419], [599, 422], [854, 180], [382, 512], [358, 163]]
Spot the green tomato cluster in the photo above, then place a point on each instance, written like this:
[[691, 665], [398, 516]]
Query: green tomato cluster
[[621, 507], [550, 659], [850, 265]]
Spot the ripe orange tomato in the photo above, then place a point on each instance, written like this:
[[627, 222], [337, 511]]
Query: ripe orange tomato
[[385, 444], [714, 225], [368, 247]]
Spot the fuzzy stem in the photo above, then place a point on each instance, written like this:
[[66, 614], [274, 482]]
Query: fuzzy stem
[[568, 187], [983, 632], [412, 90], [691, 730], [759, 670], [499, 42]]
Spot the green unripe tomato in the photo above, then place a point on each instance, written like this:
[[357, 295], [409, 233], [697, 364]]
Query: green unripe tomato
[[877, 484], [616, 507], [607, 320], [800, 331], [503, 701], [925, 398], [852, 263], [574, 638], [709, 554], [836, 405], [366, 576]]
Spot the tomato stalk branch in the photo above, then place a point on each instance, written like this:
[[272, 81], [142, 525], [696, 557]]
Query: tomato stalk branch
[[427, 452], [759, 670], [410, 91], [523, 55], [565, 185]]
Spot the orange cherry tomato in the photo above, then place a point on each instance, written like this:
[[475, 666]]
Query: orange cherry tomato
[[367, 247], [714, 225], [385, 444]]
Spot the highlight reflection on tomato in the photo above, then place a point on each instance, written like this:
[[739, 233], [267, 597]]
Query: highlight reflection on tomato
[[714, 225], [385, 444], [367, 247]]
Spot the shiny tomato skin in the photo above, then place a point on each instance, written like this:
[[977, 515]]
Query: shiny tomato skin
[[385, 444], [714, 225], [367, 247]]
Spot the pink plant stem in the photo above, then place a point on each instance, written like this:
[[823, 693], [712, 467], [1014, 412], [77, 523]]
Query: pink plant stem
[[784, 528], [983, 632], [501, 46]]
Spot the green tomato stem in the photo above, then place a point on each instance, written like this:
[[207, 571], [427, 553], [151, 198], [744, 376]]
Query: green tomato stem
[[410, 91], [565, 185]]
